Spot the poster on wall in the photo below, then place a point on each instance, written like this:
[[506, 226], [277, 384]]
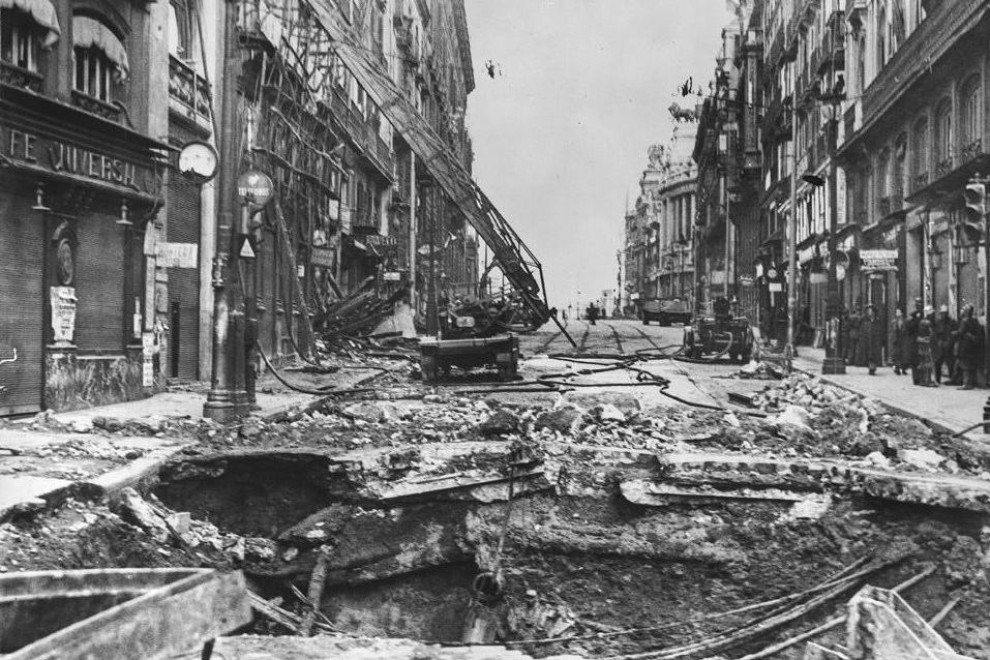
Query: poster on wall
[[148, 369], [63, 299]]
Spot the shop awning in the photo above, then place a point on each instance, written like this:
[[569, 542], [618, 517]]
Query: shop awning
[[43, 13], [88, 32]]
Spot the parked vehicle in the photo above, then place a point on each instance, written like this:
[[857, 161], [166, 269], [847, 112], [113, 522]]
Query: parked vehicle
[[717, 332], [665, 311]]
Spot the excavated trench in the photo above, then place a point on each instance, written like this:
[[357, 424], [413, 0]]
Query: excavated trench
[[589, 552]]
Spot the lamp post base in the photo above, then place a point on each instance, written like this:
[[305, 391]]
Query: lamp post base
[[832, 366], [225, 406]]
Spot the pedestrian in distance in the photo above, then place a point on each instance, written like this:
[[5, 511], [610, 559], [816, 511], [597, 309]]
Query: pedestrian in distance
[[592, 313], [924, 365], [871, 339], [911, 342], [943, 340], [969, 347], [853, 352], [898, 338]]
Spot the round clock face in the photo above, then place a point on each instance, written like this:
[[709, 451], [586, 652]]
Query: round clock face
[[198, 161]]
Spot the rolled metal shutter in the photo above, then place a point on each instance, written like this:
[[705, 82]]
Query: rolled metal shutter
[[100, 285], [21, 306], [184, 211], [183, 283]]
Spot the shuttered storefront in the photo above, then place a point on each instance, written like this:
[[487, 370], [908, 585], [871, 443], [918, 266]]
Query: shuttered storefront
[[184, 208], [21, 306], [100, 285]]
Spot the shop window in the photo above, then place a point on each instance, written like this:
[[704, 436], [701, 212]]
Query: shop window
[[25, 29], [100, 59]]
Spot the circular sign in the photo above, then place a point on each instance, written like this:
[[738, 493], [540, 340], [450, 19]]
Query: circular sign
[[772, 273], [198, 161], [255, 188]]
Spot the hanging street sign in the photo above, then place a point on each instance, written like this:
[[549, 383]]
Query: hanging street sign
[[255, 188]]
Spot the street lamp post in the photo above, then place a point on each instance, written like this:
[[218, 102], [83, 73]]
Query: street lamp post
[[227, 398], [792, 242], [834, 363]]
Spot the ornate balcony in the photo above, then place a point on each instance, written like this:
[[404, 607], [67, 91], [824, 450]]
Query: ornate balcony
[[972, 150], [15, 76], [919, 181], [943, 167], [189, 93], [95, 106]]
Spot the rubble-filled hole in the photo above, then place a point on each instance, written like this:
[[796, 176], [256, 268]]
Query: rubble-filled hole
[[575, 565], [257, 494]]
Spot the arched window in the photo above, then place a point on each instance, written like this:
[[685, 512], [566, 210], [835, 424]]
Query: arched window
[[971, 116], [942, 138], [26, 27], [180, 29], [100, 58]]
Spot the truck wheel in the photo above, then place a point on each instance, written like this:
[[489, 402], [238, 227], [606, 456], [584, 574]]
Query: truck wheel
[[646, 319]]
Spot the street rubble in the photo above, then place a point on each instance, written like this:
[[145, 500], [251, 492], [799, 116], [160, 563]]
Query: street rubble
[[586, 525]]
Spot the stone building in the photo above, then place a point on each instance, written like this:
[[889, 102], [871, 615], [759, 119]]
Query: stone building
[[915, 130], [82, 114]]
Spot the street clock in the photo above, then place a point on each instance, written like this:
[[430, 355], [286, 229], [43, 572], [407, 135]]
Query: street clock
[[198, 161]]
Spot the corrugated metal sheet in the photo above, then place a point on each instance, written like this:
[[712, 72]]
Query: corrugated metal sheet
[[100, 284], [21, 306]]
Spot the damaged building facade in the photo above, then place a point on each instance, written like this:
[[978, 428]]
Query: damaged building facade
[[109, 251]]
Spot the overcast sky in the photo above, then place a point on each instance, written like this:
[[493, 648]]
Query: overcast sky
[[561, 134]]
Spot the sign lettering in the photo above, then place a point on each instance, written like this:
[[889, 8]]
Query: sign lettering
[[68, 158]]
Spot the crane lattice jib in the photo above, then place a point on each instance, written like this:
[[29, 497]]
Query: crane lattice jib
[[518, 263]]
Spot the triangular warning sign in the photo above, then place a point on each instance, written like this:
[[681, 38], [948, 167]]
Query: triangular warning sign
[[246, 251]]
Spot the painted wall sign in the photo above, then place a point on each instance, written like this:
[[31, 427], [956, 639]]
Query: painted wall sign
[[63, 301], [177, 255], [68, 158]]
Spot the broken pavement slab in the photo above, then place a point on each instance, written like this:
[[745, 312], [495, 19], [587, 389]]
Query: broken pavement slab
[[927, 488], [256, 647], [23, 494]]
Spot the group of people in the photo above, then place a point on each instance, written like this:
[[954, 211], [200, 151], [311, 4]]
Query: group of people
[[926, 344]]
